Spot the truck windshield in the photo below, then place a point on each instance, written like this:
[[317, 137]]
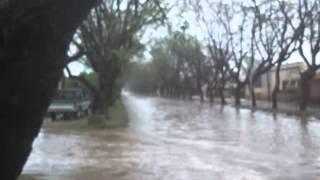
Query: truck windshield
[[67, 95]]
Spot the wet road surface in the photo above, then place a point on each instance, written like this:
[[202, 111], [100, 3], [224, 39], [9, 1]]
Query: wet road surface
[[183, 140]]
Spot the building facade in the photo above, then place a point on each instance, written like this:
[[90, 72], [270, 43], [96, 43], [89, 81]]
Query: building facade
[[289, 86]]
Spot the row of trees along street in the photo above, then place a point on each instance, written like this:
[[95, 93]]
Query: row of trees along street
[[242, 43]]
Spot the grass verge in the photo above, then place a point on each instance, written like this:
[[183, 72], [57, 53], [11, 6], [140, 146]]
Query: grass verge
[[116, 117], [27, 177]]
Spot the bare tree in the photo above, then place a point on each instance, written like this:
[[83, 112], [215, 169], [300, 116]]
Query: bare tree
[[219, 55], [189, 49], [218, 48], [230, 23], [309, 45], [109, 38], [263, 44], [241, 64], [287, 38]]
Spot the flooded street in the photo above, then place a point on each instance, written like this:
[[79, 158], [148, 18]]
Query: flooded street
[[183, 140]]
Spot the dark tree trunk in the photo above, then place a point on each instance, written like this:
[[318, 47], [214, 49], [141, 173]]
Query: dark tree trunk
[[276, 87], [253, 97], [34, 38], [201, 95], [106, 88], [169, 92], [211, 97], [237, 94], [275, 98], [163, 91], [210, 93], [268, 86], [222, 97], [190, 94], [304, 98], [222, 88], [305, 81], [199, 88], [96, 103]]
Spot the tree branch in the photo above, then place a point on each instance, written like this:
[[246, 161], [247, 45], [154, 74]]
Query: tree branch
[[82, 80]]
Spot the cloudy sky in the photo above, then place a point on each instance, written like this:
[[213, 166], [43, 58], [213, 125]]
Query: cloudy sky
[[176, 18]]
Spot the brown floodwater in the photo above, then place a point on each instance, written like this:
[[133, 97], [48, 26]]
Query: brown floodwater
[[183, 140]]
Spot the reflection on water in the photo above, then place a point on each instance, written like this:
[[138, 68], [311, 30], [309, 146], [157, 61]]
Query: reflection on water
[[184, 140]]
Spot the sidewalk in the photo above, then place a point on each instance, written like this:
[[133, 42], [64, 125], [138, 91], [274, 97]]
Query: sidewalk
[[283, 107]]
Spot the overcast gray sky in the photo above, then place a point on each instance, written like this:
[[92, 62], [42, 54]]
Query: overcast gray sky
[[176, 18]]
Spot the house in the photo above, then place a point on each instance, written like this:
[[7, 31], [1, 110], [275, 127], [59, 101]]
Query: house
[[289, 76], [289, 84], [262, 87]]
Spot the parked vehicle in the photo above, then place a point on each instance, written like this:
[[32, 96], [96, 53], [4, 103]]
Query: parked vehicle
[[69, 103]]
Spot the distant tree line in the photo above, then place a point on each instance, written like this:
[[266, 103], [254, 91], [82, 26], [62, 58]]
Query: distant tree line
[[176, 68], [243, 43]]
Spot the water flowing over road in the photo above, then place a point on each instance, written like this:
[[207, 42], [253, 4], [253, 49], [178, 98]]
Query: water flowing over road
[[184, 140]]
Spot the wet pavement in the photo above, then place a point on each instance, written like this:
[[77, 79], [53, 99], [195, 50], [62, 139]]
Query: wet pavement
[[183, 140]]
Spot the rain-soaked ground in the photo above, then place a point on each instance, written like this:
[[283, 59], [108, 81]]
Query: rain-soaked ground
[[183, 140]]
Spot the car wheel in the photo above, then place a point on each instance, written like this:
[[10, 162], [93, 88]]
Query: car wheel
[[66, 116], [88, 112], [77, 114], [53, 116]]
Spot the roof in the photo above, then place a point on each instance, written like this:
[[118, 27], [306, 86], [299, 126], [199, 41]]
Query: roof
[[298, 65]]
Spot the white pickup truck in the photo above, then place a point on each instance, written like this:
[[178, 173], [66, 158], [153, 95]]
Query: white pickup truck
[[69, 103]]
